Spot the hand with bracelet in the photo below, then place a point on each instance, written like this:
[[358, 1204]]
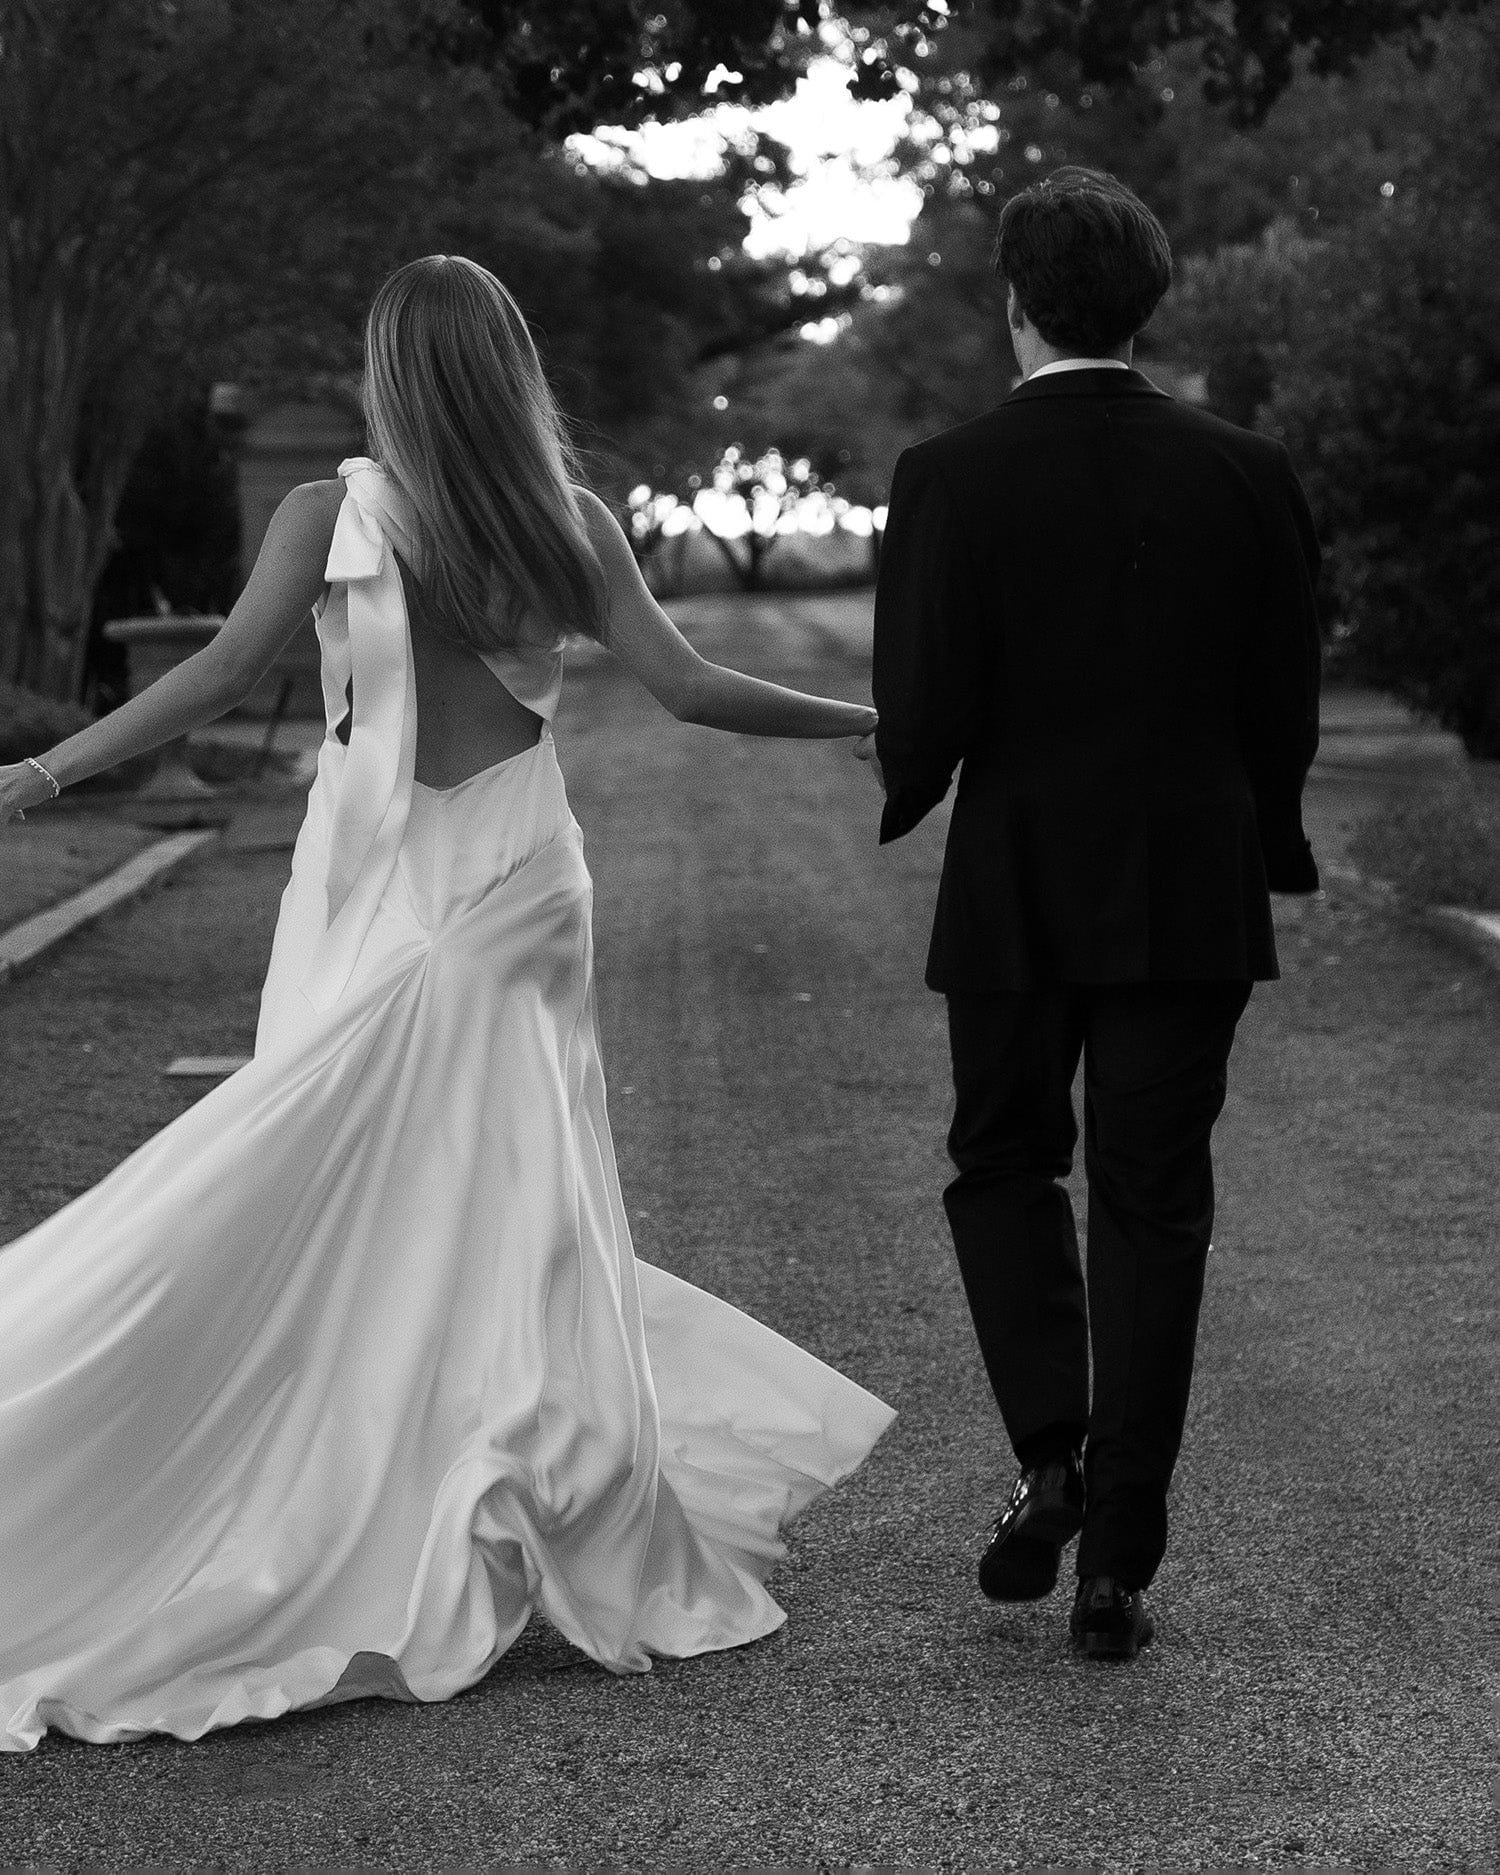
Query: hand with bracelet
[[25, 785]]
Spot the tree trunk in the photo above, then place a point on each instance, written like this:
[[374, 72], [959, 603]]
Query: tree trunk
[[119, 143], [73, 541], [63, 478], [12, 555], [757, 547], [744, 572]]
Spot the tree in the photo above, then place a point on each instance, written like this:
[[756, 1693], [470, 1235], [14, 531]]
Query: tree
[[140, 198], [569, 65], [1251, 49], [1390, 401], [762, 491], [659, 304], [1387, 390], [1232, 312], [160, 229], [932, 348]]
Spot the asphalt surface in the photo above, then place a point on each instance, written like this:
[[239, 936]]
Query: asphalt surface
[[1320, 1694]]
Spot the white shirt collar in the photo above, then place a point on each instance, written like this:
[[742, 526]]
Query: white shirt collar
[[1079, 364]]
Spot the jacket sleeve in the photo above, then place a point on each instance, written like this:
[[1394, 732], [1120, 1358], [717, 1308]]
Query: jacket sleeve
[[1278, 713], [930, 647]]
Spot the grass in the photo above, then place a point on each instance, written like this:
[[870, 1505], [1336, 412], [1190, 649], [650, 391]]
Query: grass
[[1442, 846]]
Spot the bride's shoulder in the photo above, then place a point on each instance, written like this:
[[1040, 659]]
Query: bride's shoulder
[[310, 501], [309, 512], [301, 530], [604, 530], [311, 505], [597, 514]]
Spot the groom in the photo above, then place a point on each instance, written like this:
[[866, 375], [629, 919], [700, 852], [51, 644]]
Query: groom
[[1100, 603]]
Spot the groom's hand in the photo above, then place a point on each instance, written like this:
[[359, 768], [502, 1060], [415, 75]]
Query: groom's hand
[[864, 751]]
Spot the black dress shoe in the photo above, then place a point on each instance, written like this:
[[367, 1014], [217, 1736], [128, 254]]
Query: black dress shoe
[[1043, 1512], [1109, 1621]]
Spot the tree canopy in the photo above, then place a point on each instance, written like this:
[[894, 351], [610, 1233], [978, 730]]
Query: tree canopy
[[1250, 48], [569, 64], [161, 227]]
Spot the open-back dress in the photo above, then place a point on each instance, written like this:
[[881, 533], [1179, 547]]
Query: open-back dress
[[351, 1370]]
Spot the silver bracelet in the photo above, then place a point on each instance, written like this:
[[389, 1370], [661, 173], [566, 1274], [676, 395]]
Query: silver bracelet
[[45, 773]]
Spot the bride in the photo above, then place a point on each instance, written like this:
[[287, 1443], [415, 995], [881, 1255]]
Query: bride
[[351, 1370]]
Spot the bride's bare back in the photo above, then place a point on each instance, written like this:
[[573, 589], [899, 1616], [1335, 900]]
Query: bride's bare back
[[467, 720]]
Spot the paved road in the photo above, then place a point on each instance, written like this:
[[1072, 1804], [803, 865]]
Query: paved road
[[1319, 1693]]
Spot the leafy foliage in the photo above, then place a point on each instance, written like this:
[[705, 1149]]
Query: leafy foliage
[[140, 201], [199, 230], [570, 64], [567, 65], [1250, 48], [1363, 326], [1232, 311], [160, 228], [1390, 399]]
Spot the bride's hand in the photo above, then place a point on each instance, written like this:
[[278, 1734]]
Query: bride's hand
[[21, 788]]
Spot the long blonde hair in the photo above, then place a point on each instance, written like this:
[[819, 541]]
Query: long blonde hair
[[461, 417]]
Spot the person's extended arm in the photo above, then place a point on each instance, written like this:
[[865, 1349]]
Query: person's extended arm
[[931, 675], [650, 646], [287, 580]]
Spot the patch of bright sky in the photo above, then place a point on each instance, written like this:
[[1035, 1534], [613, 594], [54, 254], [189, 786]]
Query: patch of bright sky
[[846, 188]]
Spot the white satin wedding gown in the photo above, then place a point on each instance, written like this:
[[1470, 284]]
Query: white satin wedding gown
[[350, 1370]]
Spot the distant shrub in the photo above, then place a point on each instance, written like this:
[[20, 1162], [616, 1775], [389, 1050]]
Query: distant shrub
[[1440, 848], [1374, 352], [1390, 404], [1232, 312], [29, 723]]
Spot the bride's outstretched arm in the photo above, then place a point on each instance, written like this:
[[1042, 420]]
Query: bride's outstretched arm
[[649, 645], [287, 580]]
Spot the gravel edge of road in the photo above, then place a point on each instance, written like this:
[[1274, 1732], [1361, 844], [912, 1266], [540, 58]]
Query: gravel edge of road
[[1477, 932]]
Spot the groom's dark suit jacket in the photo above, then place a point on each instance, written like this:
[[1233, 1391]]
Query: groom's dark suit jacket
[[1100, 602]]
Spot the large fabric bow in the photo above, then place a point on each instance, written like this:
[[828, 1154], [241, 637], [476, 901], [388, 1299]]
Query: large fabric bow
[[363, 634]]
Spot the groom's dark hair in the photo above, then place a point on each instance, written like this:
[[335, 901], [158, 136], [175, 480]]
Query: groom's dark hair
[[1088, 259]]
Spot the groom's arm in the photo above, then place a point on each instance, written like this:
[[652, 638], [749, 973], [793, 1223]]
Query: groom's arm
[[929, 675], [1279, 685]]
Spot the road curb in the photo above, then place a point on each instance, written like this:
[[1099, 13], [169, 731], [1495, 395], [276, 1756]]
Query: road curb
[[1477, 931], [33, 937]]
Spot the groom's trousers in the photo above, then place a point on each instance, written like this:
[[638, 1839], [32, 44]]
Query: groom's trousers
[[1155, 1058]]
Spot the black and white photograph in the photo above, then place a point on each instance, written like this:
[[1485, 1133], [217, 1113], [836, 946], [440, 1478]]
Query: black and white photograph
[[749, 935]]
